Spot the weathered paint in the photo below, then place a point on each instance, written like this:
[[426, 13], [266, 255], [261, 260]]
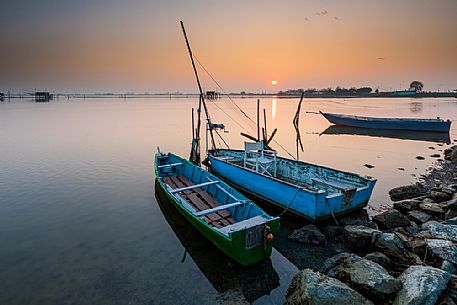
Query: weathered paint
[[233, 243], [295, 188]]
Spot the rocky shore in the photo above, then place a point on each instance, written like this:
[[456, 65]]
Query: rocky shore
[[406, 255]]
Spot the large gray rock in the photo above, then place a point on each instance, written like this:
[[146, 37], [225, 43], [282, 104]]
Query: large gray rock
[[454, 156], [450, 190], [392, 245], [391, 219], [439, 196], [431, 208], [444, 249], [358, 237], [379, 258], [371, 279], [333, 232], [313, 288], [439, 230], [309, 234], [407, 192], [451, 221], [332, 265], [406, 205], [422, 285], [231, 297], [418, 216], [359, 217], [448, 267]]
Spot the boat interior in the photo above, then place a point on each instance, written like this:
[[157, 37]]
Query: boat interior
[[310, 177], [200, 192]]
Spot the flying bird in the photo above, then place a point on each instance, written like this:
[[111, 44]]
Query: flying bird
[[381, 58], [306, 19], [336, 18]]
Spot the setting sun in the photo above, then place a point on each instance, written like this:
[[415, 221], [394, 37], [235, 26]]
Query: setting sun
[[274, 82]]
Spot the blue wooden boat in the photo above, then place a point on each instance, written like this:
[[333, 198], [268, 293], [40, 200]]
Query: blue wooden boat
[[227, 218], [431, 125], [308, 190]]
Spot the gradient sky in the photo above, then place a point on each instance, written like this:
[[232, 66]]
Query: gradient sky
[[120, 46]]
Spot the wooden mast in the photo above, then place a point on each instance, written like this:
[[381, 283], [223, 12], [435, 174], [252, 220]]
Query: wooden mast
[[195, 152]]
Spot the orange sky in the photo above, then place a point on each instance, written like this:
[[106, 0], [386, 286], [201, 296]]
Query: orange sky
[[138, 45]]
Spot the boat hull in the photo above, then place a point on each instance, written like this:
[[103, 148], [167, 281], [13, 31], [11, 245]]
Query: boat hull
[[311, 205], [234, 245], [431, 125]]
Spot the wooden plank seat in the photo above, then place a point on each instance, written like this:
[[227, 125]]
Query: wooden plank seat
[[200, 200]]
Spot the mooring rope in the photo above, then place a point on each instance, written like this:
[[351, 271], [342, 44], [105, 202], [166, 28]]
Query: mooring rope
[[237, 106]]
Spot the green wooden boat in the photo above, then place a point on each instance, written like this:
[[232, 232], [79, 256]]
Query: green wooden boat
[[228, 219]]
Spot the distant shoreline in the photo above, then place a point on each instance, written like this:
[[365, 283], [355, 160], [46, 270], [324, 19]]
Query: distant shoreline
[[238, 95]]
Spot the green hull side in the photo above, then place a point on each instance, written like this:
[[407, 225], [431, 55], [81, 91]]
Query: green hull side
[[234, 247]]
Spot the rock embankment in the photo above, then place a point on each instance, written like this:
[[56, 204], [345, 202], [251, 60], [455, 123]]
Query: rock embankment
[[406, 255]]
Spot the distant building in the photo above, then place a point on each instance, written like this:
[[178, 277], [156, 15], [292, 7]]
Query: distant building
[[43, 96], [403, 93], [211, 95]]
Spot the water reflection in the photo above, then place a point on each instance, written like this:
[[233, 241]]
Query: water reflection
[[416, 107], [255, 281], [393, 134], [273, 108]]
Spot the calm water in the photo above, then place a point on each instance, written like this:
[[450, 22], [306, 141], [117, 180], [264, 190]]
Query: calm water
[[80, 222]]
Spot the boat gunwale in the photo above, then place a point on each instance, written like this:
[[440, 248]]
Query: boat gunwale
[[293, 211], [367, 178], [163, 185], [376, 119]]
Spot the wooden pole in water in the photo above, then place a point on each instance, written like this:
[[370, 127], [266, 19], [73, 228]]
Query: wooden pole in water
[[193, 125], [202, 100], [258, 120], [265, 132]]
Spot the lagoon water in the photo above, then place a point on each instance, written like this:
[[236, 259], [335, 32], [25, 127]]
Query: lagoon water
[[81, 223]]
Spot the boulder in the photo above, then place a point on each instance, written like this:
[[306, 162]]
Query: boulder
[[359, 217], [444, 249], [448, 267], [439, 196], [454, 156], [231, 297], [332, 265], [451, 212], [439, 230], [421, 285], [391, 219], [379, 258], [406, 205], [449, 190], [358, 237], [371, 279], [392, 246], [451, 221], [313, 288], [407, 192], [418, 216], [431, 208], [333, 232], [309, 234]]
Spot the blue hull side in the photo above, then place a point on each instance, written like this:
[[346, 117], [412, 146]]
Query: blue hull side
[[397, 124], [311, 205]]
